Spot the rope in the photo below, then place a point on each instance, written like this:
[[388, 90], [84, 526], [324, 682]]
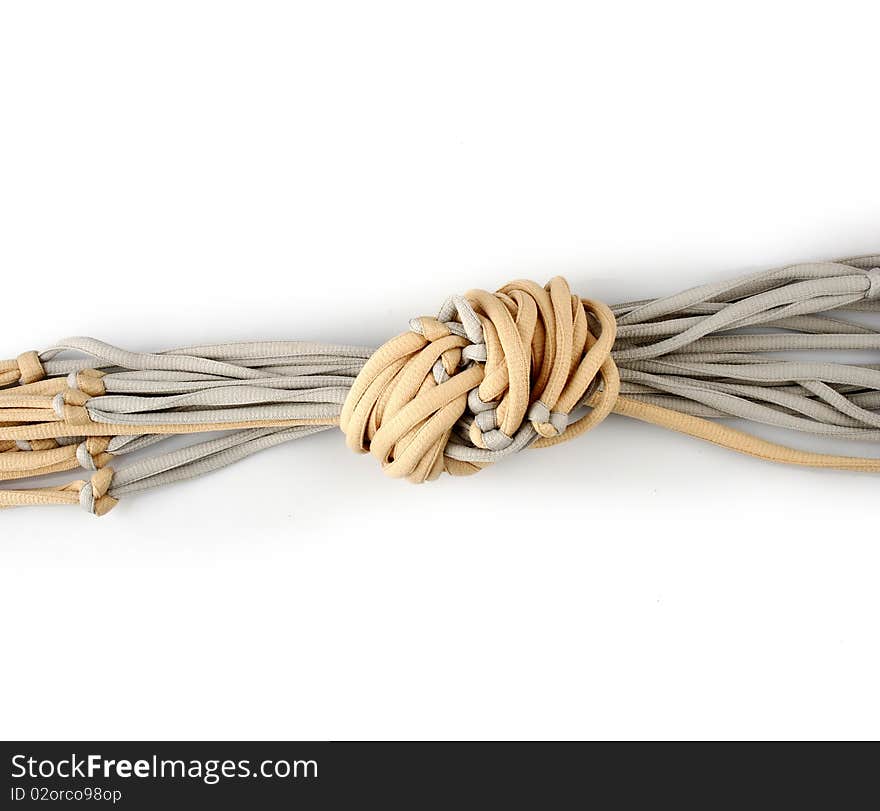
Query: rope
[[492, 374], [412, 393]]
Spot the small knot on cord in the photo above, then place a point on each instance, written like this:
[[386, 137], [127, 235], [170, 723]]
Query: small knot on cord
[[93, 497], [547, 423], [30, 368], [492, 374], [70, 405], [92, 454], [88, 381], [874, 288]]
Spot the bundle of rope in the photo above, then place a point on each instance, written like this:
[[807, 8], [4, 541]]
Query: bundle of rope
[[491, 375]]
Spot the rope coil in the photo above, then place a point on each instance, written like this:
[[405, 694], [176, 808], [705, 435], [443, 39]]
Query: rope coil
[[492, 374]]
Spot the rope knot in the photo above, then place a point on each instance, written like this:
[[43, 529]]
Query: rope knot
[[88, 381], [92, 454], [492, 374], [69, 405], [30, 368], [93, 496]]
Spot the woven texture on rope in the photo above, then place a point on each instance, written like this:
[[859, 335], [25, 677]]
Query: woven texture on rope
[[492, 374], [513, 364]]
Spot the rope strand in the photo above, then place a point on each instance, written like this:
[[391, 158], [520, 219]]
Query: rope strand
[[492, 374]]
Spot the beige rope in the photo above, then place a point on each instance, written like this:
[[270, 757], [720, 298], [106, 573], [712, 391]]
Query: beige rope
[[26, 368], [492, 374], [71, 493], [65, 428], [740, 441]]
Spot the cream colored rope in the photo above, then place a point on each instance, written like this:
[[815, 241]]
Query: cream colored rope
[[492, 374], [410, 396]]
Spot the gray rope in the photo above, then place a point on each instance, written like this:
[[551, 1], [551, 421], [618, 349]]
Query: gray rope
[[203, 457], [719, 351], [668, 358]]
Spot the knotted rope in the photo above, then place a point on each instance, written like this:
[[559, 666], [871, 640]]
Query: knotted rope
[[492, 374], [505, 369], [26, 368]]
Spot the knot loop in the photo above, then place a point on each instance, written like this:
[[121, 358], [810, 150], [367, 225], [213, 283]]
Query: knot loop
[[70, 403], [93, 496], [493, 373], [30, 368], [88, 381], [547, 423], [92, 454]]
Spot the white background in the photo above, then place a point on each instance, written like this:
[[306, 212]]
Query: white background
[[175, 173]]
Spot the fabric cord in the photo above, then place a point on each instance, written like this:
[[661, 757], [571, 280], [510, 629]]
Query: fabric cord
[[492, 374]]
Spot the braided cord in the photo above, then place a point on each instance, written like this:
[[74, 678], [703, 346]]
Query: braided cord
[[492, 374]]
